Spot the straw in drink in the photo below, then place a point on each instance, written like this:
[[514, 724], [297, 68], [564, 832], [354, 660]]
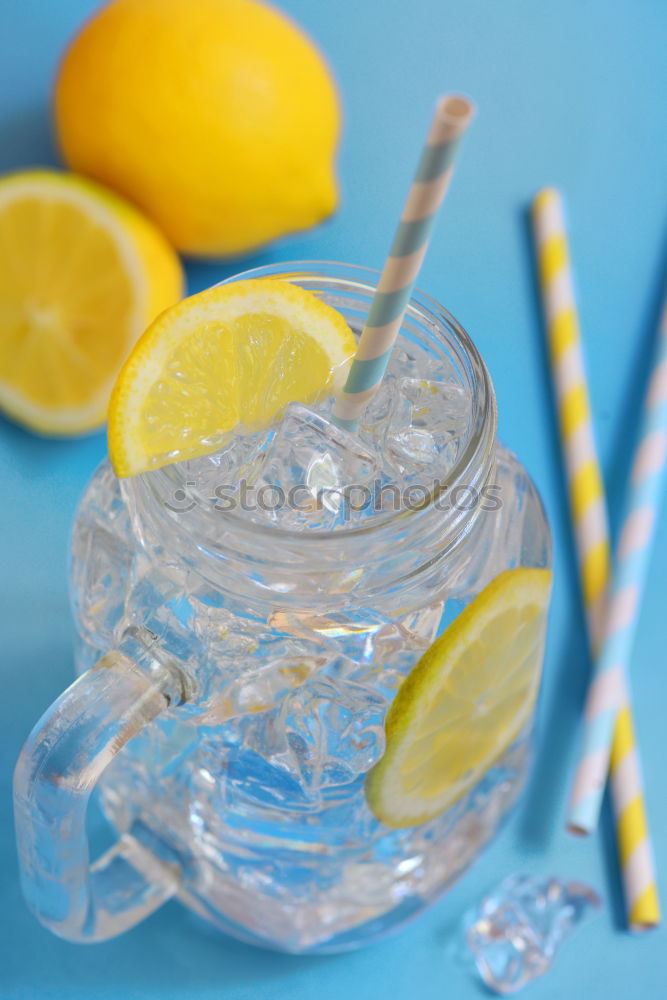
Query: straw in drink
[[452, 117]]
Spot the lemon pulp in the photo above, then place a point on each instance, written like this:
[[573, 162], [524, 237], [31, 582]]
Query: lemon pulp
[[81, 275], [230, 357], [465, 701]]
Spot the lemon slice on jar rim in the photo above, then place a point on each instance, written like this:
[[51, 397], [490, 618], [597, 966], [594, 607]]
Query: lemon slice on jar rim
[[230, 357]]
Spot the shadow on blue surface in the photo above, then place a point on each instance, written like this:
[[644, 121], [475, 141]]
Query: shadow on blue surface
[[26, 139], [203, 273], [540, 820], [173, 949], [614, 897], [625, 421], [32, 455]]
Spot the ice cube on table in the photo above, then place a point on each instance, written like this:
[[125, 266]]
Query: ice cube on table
[[427, 424], [317, 471], [517, 930]]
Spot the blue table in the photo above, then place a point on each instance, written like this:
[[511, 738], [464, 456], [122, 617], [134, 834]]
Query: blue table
[[571, 93]]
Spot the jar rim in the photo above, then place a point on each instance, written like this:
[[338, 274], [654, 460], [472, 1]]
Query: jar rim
[[422, 308]]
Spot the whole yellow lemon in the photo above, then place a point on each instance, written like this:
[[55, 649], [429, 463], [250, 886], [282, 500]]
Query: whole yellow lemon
[[219, 118]]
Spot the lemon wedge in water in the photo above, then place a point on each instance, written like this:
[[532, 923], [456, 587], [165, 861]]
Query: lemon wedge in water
[[465, 701]]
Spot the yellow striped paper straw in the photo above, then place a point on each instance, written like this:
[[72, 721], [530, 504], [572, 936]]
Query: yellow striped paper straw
[[589, 516]]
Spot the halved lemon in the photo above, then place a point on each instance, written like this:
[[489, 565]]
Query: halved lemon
[[465, 701], [82, 273], [232, 356]]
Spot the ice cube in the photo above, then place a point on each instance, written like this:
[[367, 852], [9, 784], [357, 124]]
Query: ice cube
[[102, 554], [210, 476], [428, 422], [517, 930], [417, 363], [405, 362], [306, 751], [313, 474], [335, 733], [261, 689], [374, 883], [379, 408]]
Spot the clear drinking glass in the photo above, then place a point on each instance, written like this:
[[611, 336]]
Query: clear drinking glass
[[235, 677]]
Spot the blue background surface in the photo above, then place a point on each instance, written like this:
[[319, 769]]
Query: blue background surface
[[572, 93]]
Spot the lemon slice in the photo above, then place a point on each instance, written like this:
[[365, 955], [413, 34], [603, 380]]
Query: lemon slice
[[232, 356], [464, 702], [82, 273]]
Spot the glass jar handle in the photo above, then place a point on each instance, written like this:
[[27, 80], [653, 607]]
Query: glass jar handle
[[60, 764]]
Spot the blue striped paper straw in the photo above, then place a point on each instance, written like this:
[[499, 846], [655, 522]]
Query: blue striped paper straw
[[452, 116], [631, 568]]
